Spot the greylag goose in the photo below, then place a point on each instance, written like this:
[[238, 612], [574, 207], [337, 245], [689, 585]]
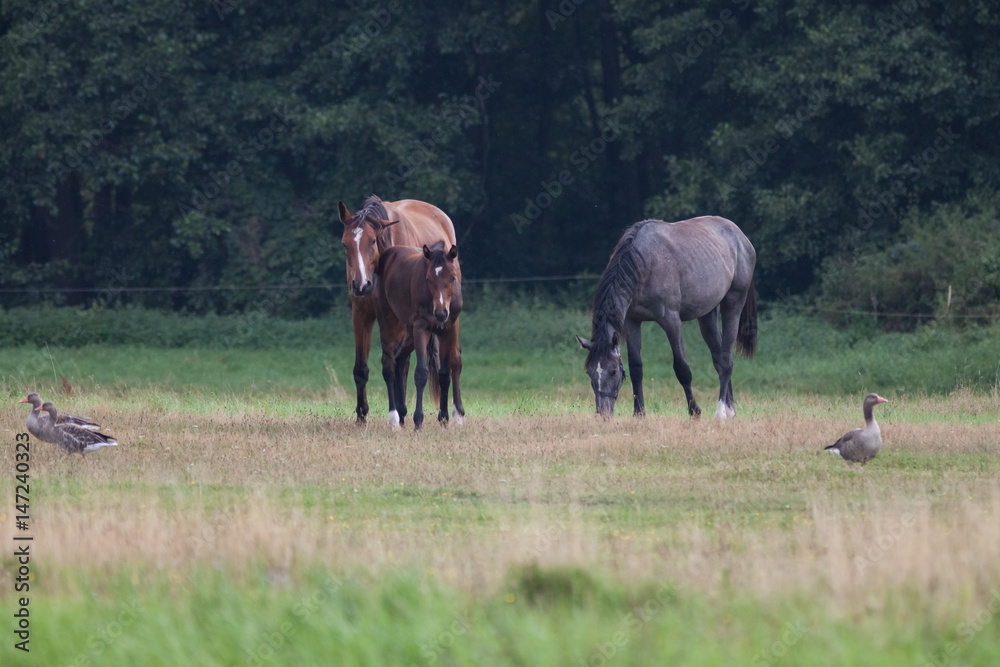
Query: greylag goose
[[37, 420], [862, 444], [73, 438]]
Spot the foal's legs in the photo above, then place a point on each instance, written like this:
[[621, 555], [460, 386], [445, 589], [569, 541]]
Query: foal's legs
[[445, 342], [633, 339], [389, 375], [671, 323], [402, 367], [420, 374]]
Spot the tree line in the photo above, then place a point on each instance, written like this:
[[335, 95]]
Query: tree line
[[198, 144]]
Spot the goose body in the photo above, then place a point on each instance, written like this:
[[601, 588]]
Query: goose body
[[73, 438], [37, 419], [862, 444]]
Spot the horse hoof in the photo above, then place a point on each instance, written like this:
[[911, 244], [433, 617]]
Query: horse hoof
[[443, 420], [457, 416], [394, 420]]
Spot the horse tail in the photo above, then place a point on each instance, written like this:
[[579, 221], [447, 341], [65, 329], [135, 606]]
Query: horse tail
[[433, 367], [746, 338]]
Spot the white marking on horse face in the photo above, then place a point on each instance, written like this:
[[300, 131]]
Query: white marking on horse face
[[394, 420], [361, 262], [441, 298], [600, 375], [437, 270]]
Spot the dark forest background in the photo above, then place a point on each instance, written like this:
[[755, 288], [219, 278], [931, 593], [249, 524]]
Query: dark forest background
[[198, 144]]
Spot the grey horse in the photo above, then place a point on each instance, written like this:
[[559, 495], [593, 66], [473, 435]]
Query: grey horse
[[670, 273]]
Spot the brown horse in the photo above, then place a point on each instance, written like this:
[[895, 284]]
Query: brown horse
[[419, 294], [414, 223]]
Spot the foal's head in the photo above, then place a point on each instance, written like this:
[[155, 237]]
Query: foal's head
[[363, 239], [442, 278], [606, 371]]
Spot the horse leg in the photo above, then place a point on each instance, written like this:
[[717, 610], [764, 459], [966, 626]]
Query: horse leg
[[671, 323], [402, 375], [456, 372], [420, 336], [709, 325], [444, 374], [402, 366], [730, 307], [633, 339], [389, 375], [363, 318]]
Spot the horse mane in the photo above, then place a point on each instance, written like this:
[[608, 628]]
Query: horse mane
[[615, 290], [372, 210]]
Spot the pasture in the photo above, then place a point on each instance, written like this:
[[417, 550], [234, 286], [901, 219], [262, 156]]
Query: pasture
[[246, 520]]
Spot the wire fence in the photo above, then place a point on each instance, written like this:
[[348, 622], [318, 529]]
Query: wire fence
[[808, 310]]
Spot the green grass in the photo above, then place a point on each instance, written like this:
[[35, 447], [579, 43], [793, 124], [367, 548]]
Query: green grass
[[514, 354], [542, 617], [666, 509]]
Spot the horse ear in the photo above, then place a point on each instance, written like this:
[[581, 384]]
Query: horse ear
[[616, 341], [453, 253], [345, 215], [427, 252], [584, 343]]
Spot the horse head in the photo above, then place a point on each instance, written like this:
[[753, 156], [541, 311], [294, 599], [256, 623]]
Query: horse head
[[606, 371], [442, 278], [364, 240]]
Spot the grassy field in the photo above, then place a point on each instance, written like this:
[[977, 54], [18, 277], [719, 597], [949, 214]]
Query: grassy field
[[245, 519]]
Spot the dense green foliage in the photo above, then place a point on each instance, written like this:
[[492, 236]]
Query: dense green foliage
[[197, 144]]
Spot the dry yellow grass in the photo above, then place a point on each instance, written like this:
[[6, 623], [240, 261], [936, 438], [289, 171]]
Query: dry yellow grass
[[751, 505]]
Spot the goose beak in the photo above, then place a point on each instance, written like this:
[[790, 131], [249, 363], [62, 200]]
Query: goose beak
[[881, 400], [23, 400]]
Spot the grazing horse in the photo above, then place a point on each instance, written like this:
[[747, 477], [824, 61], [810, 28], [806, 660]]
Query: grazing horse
[[413, 223], [419, 294], [671, 273]]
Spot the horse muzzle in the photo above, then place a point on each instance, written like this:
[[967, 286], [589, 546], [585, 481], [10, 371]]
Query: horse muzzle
[[606, 405], [441, 316], [362, 290]]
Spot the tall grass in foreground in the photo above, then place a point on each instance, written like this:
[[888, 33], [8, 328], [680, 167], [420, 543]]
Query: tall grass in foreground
[[563, 616]]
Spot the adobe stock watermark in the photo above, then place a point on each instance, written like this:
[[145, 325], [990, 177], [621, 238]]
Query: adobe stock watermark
[[270, 641], [902, 13], [361, 33], [887, 540], [629, 627], [566, 9], [100, 641], [431, 651], [696, 44], [967, 631], [122, 107], [885, 202], [789, 638], [217, 182], [251, 320], [759, 154], [225, 7], [552, 189], [44, 14], [421, 151]]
